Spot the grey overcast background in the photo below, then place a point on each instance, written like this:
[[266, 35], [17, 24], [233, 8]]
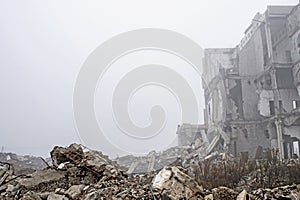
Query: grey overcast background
[[44, 43]]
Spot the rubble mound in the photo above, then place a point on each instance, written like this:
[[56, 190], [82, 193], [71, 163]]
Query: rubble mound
[[184, 156], [78, 173], [23, 164]]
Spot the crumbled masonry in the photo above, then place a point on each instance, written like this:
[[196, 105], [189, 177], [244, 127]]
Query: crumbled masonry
[[78, 173]]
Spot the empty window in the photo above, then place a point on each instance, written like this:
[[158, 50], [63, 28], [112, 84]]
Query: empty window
[[267, 134], [298, 41], [296, 148], [235, 148], [280, 106], [296, 104], [272, 107], [245, 133]]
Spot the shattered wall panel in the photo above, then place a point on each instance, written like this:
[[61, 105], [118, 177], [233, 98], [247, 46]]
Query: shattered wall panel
[[287, 96], [284, 78], [250, 99], [247, 138], [214, 60], [235, 101], [293, 131], [251, 56], [265, 96]]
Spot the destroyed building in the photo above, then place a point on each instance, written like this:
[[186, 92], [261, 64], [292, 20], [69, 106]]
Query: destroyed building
[[252, 91]]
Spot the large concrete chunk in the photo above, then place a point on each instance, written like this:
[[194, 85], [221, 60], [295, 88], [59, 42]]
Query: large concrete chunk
[[73, 154], [175, 184], [31, 196], [243, 196], [74, 191], [57, 197]]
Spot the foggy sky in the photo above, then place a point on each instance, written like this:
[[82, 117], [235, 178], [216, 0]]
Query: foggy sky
[[44, 43]]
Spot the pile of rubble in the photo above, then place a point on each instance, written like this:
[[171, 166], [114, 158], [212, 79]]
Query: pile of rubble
[[23, 164], [78, 173], [286, 192], [185, 156], [265, 174], [153, 161]]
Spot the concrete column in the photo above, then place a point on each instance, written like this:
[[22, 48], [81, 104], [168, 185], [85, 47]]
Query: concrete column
[[276, 93], [269, 42], [278, 123]]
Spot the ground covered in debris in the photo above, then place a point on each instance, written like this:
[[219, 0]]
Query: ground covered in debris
[[78, 173], [23, 164]]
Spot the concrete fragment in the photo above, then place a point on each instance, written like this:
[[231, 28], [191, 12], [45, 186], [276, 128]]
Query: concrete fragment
[[3, 169], [44, 195], [161, 178], [209, 197], [31, 196], [93, 196], [53, 196], [176, 184], [73, 153], [295, 195], [224, 193], [243, 196], [60, 191], [74, 191], [10, 188]]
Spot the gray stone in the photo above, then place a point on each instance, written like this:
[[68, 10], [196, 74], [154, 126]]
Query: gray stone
[[31, 196], [74, 191], [53, 196]]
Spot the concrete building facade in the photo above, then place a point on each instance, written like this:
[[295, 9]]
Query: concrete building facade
[[252, 91]]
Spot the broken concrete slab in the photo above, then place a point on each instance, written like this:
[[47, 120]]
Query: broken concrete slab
[[73, 153], [176, 184], [243, 196], [75, 191], [53, 196], [31, 196]]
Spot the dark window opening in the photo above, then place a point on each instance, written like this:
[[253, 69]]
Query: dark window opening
[[235, 148], [298, 41], [267, 134], [245, 133], [280, 106], [272, 107], [296, 104]]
